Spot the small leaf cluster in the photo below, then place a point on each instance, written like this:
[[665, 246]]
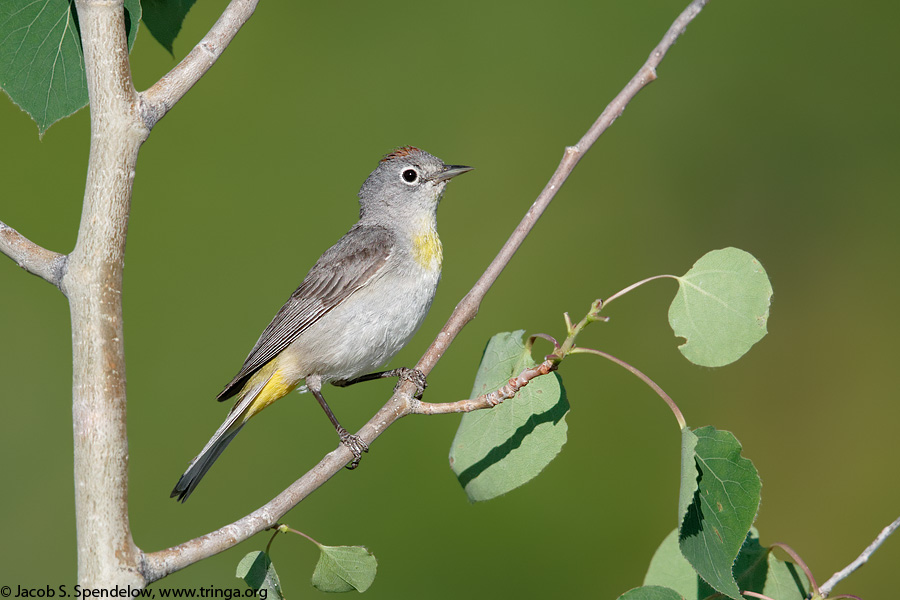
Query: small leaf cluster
[[721, 310], [339, 568]]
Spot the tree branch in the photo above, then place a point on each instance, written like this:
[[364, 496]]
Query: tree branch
[[91, 277], [107, 554], [159, 564], [860, 560], [467, 309], [37, 260], [165, 93]]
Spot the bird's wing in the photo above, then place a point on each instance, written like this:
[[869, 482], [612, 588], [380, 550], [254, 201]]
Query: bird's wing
[[343, 269]]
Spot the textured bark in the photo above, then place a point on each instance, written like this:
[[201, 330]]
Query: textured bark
[[107, 554]]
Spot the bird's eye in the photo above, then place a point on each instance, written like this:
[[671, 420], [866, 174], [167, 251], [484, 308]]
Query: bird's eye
[[409, 175]]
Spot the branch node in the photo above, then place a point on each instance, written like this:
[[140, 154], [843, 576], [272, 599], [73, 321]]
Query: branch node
[[210, 48], [166, 92]]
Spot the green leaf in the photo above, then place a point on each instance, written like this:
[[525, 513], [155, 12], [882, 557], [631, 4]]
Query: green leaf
[[723, 488], [344, 569], [164, 18], [721, 308], [689, 478], [653, 592], [496, 450], [41, 60], [785, 580], [756, 570], [670, 568], [258, 572]]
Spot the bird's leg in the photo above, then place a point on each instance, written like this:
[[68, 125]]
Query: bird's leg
[[353, 442], [415, 376]]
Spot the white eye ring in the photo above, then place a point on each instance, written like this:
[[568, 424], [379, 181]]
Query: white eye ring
[[409, 176]]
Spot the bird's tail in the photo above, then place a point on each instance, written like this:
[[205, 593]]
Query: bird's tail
[[201, 464], [219, 441]]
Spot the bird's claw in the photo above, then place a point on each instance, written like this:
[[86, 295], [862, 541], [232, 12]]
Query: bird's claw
[[355, 444], [414, 376]]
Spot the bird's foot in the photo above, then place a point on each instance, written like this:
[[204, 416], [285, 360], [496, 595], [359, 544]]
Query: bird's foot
[[355, 444], [414, 376]]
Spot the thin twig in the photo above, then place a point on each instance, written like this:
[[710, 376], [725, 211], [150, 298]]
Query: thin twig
[[159, 564], [490, 400], [160, 98], [861, 559], [37, 260]]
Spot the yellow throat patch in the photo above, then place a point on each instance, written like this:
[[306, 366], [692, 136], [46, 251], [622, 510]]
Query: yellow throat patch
[[427, 249]]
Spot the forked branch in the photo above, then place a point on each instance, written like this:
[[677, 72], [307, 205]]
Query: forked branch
[[159, 99]]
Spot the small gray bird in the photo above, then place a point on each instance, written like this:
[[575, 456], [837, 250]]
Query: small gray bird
[[362, 301]]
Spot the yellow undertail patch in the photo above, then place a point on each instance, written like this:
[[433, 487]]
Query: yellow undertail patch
[[276, 387]]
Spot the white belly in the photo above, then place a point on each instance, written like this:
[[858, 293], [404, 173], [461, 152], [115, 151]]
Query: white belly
[[368, 329]]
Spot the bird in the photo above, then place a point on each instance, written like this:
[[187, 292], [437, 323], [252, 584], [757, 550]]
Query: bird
[[360, 303]]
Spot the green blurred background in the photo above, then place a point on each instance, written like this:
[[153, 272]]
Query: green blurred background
[[773, 127]]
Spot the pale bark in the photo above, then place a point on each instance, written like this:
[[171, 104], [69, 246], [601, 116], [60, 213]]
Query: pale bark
[[107, 554], [91, 277]]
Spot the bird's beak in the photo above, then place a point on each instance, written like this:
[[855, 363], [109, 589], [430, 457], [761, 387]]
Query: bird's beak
[[450, 171]]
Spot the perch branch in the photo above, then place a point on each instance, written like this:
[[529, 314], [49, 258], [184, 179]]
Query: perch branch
[[165, 93], [37, 260], [159, 564]]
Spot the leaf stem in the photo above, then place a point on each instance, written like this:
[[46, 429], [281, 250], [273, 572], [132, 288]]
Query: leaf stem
[[801, 563], [292, 530], [272, 539], [636, 285], [634, 371], [530, 343], [755, 595], [281, 528]]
